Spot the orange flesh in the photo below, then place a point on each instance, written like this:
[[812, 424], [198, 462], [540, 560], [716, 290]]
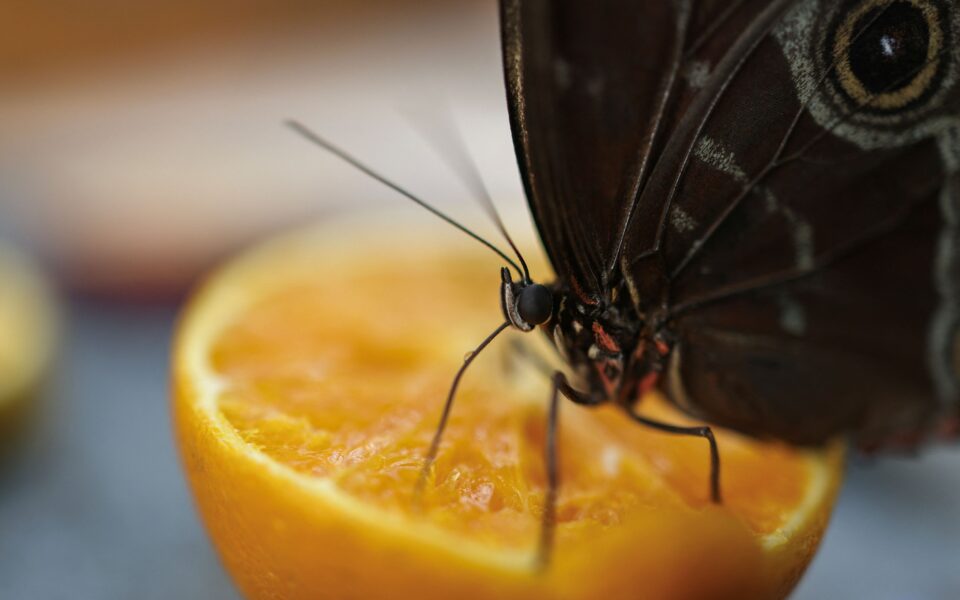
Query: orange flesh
[[346, 380]]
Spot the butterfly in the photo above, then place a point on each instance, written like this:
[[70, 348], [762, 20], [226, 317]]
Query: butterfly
[[751, 205]]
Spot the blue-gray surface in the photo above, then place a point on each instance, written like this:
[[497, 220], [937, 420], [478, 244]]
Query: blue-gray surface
[[94, 506]]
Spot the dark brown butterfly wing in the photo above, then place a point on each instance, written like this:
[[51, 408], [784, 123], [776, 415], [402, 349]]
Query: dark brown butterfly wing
[[594, 90], [781, 362], [803, 236], [585, 82], [782, 200]]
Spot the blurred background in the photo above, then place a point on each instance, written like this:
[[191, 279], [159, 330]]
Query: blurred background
[[142, 142]]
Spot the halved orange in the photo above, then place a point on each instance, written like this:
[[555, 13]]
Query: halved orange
[[308, 377]]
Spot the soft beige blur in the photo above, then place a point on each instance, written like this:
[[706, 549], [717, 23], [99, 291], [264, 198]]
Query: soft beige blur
[[139, 142]]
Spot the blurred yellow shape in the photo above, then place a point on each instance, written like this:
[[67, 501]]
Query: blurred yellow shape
[[27, 332]]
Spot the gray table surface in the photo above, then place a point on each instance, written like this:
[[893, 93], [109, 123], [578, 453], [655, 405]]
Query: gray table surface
[[94, 506]]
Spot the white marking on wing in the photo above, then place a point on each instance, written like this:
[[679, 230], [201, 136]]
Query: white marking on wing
[[681, 220], [946, 266], [793, 317], [714, 154], [717, 156], [697, 73], [799, 227]]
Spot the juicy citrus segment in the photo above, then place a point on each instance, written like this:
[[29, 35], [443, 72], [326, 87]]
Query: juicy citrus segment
[[309, 377]]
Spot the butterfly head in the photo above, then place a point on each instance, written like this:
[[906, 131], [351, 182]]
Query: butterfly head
[[525, 304]]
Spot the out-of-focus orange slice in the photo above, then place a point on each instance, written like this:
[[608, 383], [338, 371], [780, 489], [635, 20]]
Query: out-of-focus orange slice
[[308, 377], [27, 332]]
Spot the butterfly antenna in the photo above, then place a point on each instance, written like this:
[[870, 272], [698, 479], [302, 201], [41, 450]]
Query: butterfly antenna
[[445, 415], [313, 137], [442, 134]]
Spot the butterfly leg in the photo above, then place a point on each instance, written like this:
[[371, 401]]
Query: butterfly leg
[[434, 448], [548, 520], [703, 431]]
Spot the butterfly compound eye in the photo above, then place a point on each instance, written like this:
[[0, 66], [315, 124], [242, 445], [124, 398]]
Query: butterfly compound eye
[[535, 304]]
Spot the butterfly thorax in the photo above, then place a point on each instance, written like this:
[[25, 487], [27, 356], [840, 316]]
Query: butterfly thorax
[[615, 353]]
